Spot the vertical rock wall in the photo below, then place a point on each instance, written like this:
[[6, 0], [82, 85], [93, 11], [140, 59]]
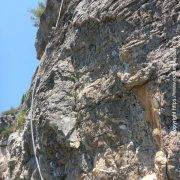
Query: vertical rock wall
[[103, 102]]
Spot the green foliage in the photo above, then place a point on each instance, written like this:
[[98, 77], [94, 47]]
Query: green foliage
[[12, 111], [37, 12], [23, 98], [74, 77], [18, 124], [7, 131], [21, 118]]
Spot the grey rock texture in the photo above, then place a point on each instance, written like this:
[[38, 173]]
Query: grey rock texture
[[103, 101], [5, 121]]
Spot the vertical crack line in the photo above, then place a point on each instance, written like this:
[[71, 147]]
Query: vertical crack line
[[167, 174], [59, 15], [31, 117]]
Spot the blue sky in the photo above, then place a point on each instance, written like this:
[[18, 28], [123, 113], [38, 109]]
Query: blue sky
[[17, 52]]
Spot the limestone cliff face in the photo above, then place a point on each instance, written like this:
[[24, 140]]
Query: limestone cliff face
[[103, 98]]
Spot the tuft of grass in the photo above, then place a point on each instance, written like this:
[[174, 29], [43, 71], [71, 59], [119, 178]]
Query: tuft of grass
[[74, 77], [7, 131], [21, 118], [11, 111], [23, 98], [12, 127], [37, 12]]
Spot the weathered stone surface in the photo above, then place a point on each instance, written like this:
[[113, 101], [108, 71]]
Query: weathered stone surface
[[103, 102]]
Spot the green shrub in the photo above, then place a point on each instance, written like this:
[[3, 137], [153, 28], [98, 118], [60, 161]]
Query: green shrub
[[37, 12], [23, 98], [12, 111], [21, 118], [7, 131]]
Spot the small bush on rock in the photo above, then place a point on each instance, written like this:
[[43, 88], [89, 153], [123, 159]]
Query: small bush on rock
[[37, 12], [7, 131], [12, 111], [21, 117]]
